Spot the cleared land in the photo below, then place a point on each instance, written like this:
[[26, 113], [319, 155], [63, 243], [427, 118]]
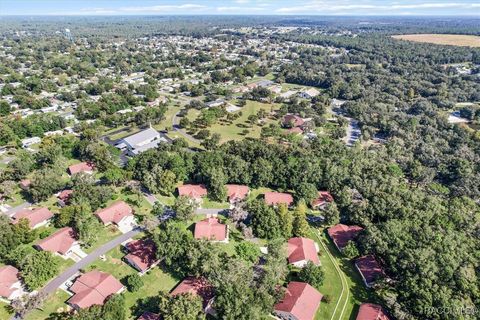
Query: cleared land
[[445, 39]]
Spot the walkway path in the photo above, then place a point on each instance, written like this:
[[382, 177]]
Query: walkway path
[[343, 279]]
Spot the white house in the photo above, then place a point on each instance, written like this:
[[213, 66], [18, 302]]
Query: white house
[[141, 141], [309, 94], [27, 142]]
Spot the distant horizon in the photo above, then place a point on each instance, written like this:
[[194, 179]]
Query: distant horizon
[[346, 8]]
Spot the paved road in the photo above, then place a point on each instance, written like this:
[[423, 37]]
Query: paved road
[[58, 281], [14, 210], [209, 211], [176, 127]]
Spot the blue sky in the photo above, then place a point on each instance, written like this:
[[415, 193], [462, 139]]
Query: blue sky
[[222, 7]]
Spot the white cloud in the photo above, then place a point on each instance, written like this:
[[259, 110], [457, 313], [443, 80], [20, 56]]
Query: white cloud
[[163, 8], [322, 6], [240, 9]]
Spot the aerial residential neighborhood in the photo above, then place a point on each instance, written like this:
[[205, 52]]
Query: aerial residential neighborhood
[[247, 160]]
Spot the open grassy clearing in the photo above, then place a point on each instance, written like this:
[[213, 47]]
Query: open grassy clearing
[[444, 39], [234, 130]]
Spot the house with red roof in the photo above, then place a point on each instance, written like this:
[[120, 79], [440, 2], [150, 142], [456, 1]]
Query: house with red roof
[[141, 255], [292, 121], [93, 288], [194, 191], [341, 234], [276, 198], [10, 284], [236, 192], [197, 286], [300, 302], [211, 229], [301, 250], [64, 197], [85, 167], [369, 269], [118, 213], [37, 217], [63, 243], [321, 201], [370, 311]]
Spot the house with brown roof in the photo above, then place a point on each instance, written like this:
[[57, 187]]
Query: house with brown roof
[[63, 243], [321, 201], [197, 286], [64, 197], [370, 311], [301, 250], [236, 192], [85, 167], [211, 229], [37, 217], [194, 191], [118, 213], [276, 198], [10, 284], [93, 288], [300, 302], [141, 255], [341, 234], [369, 269]]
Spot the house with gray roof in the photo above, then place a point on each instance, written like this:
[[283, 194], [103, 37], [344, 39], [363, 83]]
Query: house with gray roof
[[141, 141]]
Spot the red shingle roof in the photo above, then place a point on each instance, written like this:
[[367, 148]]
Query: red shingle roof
[[236, 192], [61, 241], [142, 253], [195, 286], [210, 229], [370, 311], [115, 212], [81, 167], [323, 197], [92, 288], [296, 121], [341, 234], [65, 195], [34, 216], [274, 198], [301, 300], [195, 191], [300, 249], [369, 268], [8, 276]]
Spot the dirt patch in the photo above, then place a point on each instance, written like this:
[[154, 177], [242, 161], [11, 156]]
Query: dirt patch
[[445, 39]]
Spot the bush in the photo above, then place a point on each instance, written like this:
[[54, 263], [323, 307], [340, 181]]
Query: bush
[[133, 282]]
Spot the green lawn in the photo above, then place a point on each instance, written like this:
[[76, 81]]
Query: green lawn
[[108, 233], [357, 293], [55, 303], [234, 130], [4, 311]]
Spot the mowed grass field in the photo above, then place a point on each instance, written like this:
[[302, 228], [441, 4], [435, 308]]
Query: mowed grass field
[[445, 39], [234, 130]]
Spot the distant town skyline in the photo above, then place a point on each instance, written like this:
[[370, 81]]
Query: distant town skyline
[[240, 7]]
